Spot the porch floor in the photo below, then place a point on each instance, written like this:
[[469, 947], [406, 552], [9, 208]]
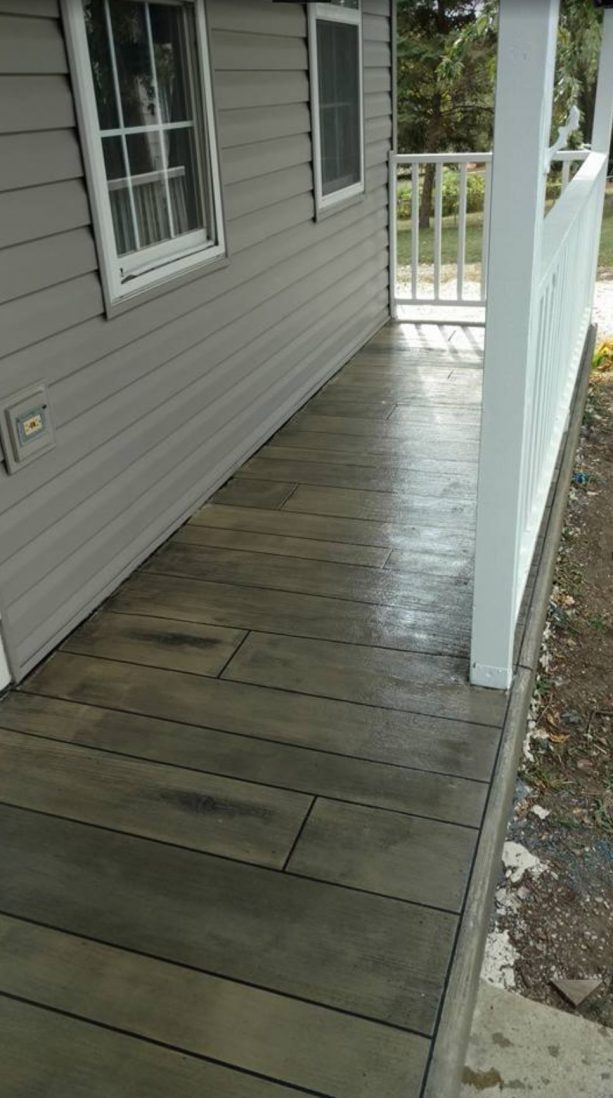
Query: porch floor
[[240, 806]]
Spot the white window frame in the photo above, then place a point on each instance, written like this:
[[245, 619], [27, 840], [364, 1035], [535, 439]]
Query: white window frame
[[333, 14], [160, 263]]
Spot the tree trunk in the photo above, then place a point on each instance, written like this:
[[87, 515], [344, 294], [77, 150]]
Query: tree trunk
[[425, 205]]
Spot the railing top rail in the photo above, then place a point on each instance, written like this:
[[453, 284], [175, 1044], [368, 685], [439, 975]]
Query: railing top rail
[[441, 158], [568, 207], [475, 157]]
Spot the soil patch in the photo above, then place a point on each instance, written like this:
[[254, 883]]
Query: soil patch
[[559, 920]]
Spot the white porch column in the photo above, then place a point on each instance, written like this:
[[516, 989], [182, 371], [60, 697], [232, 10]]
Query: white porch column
[[526, 61], [603, 109]]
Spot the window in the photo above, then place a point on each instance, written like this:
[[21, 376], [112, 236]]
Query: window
[[335, 48], [143, 88]]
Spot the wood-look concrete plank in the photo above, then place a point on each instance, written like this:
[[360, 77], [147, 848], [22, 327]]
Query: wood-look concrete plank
[[415, 481], [283, 546], [279, 932], [327, 404], [180, 598], [384, 506], [425, 861], [381, 734], [444, 433], [256, 1031], [460, 566], [239, 494], [51, 1055], [313, 577], [405, 446], [371, 676], [393, 535], [202, 811], [440, 394], [404, 789], [179, 645], [319, 448]]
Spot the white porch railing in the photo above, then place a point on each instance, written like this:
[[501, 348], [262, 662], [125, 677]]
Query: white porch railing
[[416, 281], [540, 289]]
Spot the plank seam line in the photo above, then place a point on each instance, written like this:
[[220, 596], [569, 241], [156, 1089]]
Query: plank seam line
[[298, 835]]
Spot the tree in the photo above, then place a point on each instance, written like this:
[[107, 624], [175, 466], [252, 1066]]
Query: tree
[[447, 75]]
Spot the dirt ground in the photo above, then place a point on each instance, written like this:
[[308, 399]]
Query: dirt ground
[[555, 918]]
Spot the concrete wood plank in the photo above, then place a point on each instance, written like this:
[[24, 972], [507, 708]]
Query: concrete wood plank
[[202, 811], [178, 645], [360, 781], [341, 727], [181, 598], [370, 676], [413, 859]]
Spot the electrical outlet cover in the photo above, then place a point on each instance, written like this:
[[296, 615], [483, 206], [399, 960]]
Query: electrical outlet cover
[[26, 429]]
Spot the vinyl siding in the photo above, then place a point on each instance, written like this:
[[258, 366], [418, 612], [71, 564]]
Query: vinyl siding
[[156, 407]]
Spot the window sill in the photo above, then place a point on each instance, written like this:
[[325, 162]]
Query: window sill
[[121, 305], [322, 212]]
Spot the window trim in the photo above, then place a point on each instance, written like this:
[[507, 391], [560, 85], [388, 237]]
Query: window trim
[[333, 14], [158, 272]]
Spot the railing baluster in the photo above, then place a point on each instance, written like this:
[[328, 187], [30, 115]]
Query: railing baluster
[[438, 228], [414, 227], [393, 234], [462, 230], [485, 240], [565, 174]]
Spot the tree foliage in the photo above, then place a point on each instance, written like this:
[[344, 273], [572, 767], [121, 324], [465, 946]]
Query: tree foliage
[[447, 71]]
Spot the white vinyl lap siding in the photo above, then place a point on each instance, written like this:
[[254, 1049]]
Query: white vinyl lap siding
[[155, 407]]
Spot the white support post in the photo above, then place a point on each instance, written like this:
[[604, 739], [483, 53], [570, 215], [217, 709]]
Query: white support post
[[526, 61], [603, 109]]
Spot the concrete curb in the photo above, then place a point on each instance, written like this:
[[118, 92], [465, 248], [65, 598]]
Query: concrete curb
[[451, 1038]]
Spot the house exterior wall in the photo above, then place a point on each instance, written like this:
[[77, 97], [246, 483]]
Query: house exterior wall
[[156, 406]]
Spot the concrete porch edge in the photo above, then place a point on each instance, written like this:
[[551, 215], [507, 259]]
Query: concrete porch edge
[[444, 1075]]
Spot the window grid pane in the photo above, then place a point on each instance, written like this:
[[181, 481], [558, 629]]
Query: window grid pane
[[148, 121], [338, 54]]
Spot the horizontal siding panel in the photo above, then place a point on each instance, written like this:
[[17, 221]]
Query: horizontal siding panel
[[377, 80], [378, 129], [45, 312], [29, 267], [42, 211], [163, 478], [88, 343], [259, 124], [86, 430], [249, 161], [27, 159], [246, 231], [251, 52], [377, 55], [256, 194], [376, 28], [47, 8], [239, 90], [377, 106], [35, 103], [257, 16], [31, 45]]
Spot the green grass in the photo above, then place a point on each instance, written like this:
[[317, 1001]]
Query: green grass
[[474, 233]]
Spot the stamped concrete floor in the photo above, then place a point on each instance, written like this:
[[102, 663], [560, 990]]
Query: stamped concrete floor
[[527, 1050], [239, 808]]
